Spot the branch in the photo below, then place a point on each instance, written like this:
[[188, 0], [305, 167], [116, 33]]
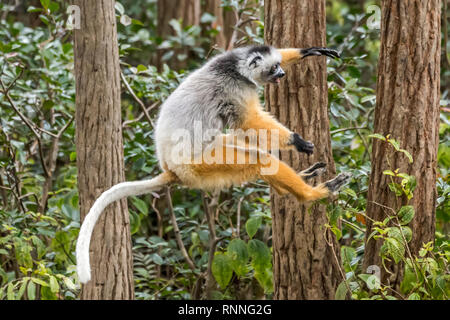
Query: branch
[[213, 241], [27, 122], [177, 231], [52, 165], [238, 24], [144, 109]]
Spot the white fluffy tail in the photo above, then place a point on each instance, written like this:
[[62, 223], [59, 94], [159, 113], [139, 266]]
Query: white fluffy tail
[[117, 192]]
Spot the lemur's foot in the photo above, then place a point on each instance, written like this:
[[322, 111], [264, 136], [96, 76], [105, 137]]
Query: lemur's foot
[[302, 145], [316, 51], [315, 170], [338, 182]]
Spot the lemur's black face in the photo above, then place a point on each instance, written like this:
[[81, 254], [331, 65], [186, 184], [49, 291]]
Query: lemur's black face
[[275, 74]]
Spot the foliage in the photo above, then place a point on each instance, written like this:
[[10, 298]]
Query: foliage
[[38, 228]]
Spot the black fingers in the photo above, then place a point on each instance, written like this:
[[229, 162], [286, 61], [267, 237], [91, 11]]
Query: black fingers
[[302, 145], [338, 182], [316, 51], [317, 169], [314, 167]]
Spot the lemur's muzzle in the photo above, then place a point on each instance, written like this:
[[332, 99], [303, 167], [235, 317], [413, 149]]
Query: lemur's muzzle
[[277, 76]]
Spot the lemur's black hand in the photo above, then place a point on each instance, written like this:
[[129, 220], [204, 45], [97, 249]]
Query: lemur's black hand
[[316, 51], [302, 145]]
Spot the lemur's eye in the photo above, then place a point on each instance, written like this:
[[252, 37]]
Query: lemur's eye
[[274, 68]]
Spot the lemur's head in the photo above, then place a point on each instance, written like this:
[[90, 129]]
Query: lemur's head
[[261, 64]]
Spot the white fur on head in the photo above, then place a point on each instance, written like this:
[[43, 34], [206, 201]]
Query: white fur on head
[[259, 63]]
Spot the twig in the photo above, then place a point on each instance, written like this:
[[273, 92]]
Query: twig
[[177, 231], [213, 241], [238, 223], [52, 165], [27, 122], [144, 109], [347, 129], [330, 243], [128, 122], [239, 22]]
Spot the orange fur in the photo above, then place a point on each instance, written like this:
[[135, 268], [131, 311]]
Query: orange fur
[[289, 56], [284, 180], [258, 119]]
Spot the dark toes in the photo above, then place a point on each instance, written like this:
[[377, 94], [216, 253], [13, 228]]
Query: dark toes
[[338, 182], [316, 166]]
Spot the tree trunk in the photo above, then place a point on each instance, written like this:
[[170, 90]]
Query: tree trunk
[[213, 7], [189, 12], [99, 148], [225, 21], [407, 109], [305, 266]]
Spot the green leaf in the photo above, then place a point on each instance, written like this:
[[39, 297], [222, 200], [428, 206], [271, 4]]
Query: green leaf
[[350, 192], [10, 292], [395, 249], [414, 296], [265, 279], [48, 294], [31, 291], [141, 205], [377, 136], [389, 173], [260, 254], [54, 285], [252, 226], [405, 214], [341, 291], [119, 7], [222, 269], [348, 254], [45, 4], [40, 282], [395, 187], [238, 253], [337, 232], [141, 68], [69, 284], [53, 7], [395, 144], [22, 288]]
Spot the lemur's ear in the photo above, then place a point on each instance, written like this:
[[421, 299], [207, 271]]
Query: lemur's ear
[[255, 61]]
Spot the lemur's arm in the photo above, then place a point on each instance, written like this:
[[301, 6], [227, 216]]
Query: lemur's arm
[[290, 56], [258, 119]]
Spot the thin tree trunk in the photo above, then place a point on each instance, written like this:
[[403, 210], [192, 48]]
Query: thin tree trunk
[[305, 266], [407, 109], [99, 149], [225, 21], [189, 12]]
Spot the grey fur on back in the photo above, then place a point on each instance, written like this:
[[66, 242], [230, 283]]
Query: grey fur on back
[[213, 95]]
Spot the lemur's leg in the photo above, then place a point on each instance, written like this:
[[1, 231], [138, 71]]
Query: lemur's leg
[[315, 170], [290, 56], [261, 165], [263, 122]]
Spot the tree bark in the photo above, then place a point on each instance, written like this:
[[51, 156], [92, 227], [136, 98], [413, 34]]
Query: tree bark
[[225, 20], [187, 10], [305, 266], [99, 149], [407, 109]]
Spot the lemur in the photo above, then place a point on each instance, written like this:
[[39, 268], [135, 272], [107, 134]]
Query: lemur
[[222, 94]]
